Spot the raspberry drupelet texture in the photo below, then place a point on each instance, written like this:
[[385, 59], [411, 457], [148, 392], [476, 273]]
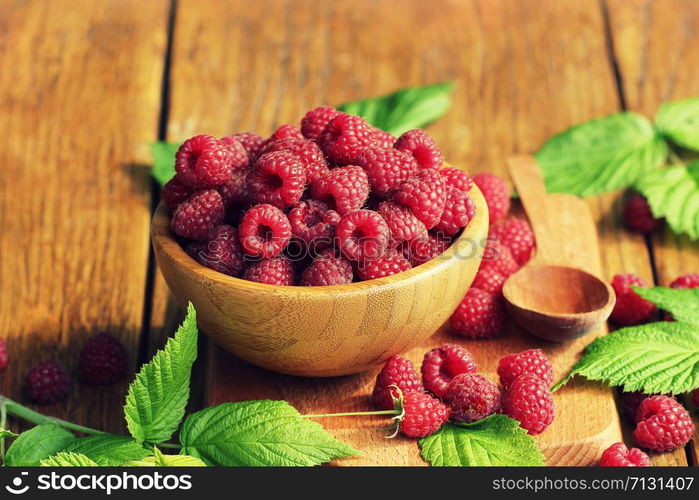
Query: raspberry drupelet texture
[[421, 147], [278, 179], [631, 401], [400, 372], [458, 211], [236, 192], [499, 257], [489, 280], [252, 143], [315, 121], [195, 217], [638, 215], [310, 154], [313, 224], [517, 235], [472, 397], [275, 271], [686, 281], [240, 159], [618, 455], [174, 193], [423, 250], [480, 315], [362, 235], [345, 137], [47, 383], [264, 231], [391, 262], [4, 357], [203, 162], [442, 364], [663, 424], [425, 194], [495, 194], [343, 189], [423, 415], [286, 131], [457, 178], [386, 169], [529, 400], [384, 140], [630, 308], [327, 269], [404, 226], [529, 362], [223, 252], [103, 360]]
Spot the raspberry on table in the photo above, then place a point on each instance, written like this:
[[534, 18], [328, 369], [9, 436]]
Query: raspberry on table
[[499, 257], [495, 193], [663, 424], [480, 315], [264, 231], [404, 226], [252, 143], [529, 401], [386, 169], [174, 193], [310, 154], [458, 211], [315, 121], [686, 281], [425, 194], [398, 371], [529, 362], [489, 280], [278, 178], [457, 178], [384, 140], [203, 162], [618, 455], [343, 189], [236, 192], [442, 364], [345, 137], [362, 235], [426, 249], [240, 159], [421, 147], [423, 415], [638, 215], [275, 271], [195, 217], [517, 235], [103, 360], [472, 397], [631, 401], [47, 383], [327, 269], [223, 252], [285, 131], [630, 308], [392, 262], [4, 357], [313, 224]]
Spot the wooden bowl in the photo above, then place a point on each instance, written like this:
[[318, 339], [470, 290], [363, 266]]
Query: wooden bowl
[[323, 331]]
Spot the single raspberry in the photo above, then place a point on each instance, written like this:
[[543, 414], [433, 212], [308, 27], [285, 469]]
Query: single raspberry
[[686, 281], [630, 308], [480, 315], [399, 372], [392, 262], [345, 137], [498, 256], [472, 397], [362, 235], [47, 383], [264, 231], [315, 121], [236, 192], [404, 226], [529, 400], [252, 143], [286, 131], [275, 271], [425, 194], [489, 280], [203, 162], [103, 360], [240, 159], [278, 179], [385, 140], [663, 424], [422, 415], [343, 189], [386, 169], [495, 194], [442, 364], [517, 235], [638, 215], [174, 193], [313, 224], [327, 269], [310, 154], [618, 455], [195, 217], [631, 401], [458, 211], [423, 250], [421, 147], [3, 355], [223, 252], [531, 362], [457, 178]]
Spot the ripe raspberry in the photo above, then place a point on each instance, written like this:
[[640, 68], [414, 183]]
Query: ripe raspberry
[[343, 189], [472, 397], [686, 281], [313, 224], [278, 179], [442, 364], [384, 140], [392, 262], [386, 169], [459, 209], [425, 194], [345, 137], [480, 315], [421, 147], [195, 217], [489, 280], [529, 400], [618, 455], [174, 193], [264, 231], [423, 415], [252, 143], [531, 362], [631, 401], [195, 248], [498, 256], [630, 308], [310, 154], [3, 355], [47, 383], [404, 226], [362, 235], [423, 250], [397, 371], [495, 194], [638, 215], [457, 178], [517, 235], [663, 424], [285, 132], [327, 270], [203, 162], [240, 159], [223, 252], [315, 121], [103, 360], [275, 271], [236, 192]]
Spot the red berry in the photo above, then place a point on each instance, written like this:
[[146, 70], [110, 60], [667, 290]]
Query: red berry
[[638, 215], [47, 383], [686, 281], [310, 154], [386, 169], [252, 143], [384, 140], [499, 257], [103, 360], [392, 262], [529, 362], [631, 401], [345, 137], [529, 400], [472, 397], [315, 121], [286, 131], [426, 249], [327, 270], [174, 193], [480, 315], [278, 179], [236, 192], [398, 371], [630, 308], [663, 424], [404, 226], [343, 189], [423, 415], [362, 235], [203, 162], [264, 231], [489, 280], [313, 224], [275, 271], [240, 159], [442, 364], [457, 178], [458, 211], [195, 217], [517, 235], [618, 455], [495, 193], [421, 147], [4, 357], [223, 252], [425, 194]]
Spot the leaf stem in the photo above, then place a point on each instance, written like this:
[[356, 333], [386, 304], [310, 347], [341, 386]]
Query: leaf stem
[[173, 446], [354, 413], [21, 411]]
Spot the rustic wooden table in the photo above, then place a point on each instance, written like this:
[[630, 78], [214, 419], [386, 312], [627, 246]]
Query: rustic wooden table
[[86, 86]]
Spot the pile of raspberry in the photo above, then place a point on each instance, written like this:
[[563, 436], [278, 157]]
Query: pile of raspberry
[[331, 202]]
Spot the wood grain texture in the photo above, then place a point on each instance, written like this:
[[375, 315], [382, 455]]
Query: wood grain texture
[[80, 100]]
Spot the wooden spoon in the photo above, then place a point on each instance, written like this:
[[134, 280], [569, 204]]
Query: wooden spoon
[[547, 297]]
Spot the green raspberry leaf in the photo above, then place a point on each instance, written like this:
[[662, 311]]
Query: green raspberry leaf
[[160, 460], [68, 459], [601, 155], [108, 450], [258, 433], [36, 444], [405, 109], [163, 154], [679, 122], [682, 304], [4, 433], [157, 398], [497, 440]]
